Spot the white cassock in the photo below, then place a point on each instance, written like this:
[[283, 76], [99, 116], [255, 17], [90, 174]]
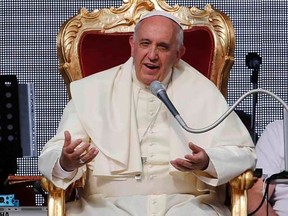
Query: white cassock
[[137, 137]]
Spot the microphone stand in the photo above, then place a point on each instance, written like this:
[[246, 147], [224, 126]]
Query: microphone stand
[[254, 81], [253, 61]]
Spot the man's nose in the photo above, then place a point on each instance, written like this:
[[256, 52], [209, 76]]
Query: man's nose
[[153, 53]]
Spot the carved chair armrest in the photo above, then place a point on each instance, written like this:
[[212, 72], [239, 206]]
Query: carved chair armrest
[[239, 186], [57, 197]]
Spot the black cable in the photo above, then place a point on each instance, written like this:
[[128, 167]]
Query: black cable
[[281, 175], [267, 200], [263, 199]]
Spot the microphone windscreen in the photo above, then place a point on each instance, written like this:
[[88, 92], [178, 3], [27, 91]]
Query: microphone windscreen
[[156, 87]]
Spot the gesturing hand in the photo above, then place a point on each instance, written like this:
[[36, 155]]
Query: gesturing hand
[[197, 160], [75, 155]]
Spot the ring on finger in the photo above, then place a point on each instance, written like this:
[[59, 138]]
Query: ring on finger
[[81, 161]]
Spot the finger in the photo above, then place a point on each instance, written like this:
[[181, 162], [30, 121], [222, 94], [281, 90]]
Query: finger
[[67, 138], [180, 168], [199, 158], [80, 147], [68, 144], [182, 165], [186, 164], [191, 157], [73, 146], [90, 155], [195, 149], [196, 157], [176, 165]]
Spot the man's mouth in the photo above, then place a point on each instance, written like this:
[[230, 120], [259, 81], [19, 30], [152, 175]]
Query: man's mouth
[[151, 66]]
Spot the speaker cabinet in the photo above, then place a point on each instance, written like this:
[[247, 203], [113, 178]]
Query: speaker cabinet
[[10, 143]]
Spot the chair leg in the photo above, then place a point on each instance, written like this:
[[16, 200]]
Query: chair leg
[[239, 186], [56, 198], [56, 203], [239, 202]]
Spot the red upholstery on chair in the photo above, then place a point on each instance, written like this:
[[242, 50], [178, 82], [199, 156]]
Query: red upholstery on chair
[[199, 55], [97, 50]]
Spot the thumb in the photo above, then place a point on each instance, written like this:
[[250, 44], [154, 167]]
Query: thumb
[[67, 137], [195, 149]]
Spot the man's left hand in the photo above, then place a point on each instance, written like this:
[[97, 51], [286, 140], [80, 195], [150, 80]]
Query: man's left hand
[[197, 160]]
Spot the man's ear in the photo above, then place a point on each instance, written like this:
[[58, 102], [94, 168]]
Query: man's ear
[[180, 53], [131, 42]]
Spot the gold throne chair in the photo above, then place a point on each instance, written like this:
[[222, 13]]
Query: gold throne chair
[[90, 42]]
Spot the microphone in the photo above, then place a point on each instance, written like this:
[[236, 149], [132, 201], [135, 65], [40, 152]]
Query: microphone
[[158, 89], [253, 61]]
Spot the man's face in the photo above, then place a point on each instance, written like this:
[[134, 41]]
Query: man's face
[[155, 49]]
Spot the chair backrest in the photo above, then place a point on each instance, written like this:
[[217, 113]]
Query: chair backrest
[[90, 42]]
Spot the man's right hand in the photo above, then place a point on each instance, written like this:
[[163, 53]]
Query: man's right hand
[[75, 154]]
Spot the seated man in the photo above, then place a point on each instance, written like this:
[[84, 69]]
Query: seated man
[[138, 159], [270, 154]]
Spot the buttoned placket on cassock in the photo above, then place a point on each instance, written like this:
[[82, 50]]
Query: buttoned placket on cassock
[[152, 126]]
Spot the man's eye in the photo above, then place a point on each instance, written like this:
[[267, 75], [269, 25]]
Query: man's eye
[[144, 44], [163, 48]]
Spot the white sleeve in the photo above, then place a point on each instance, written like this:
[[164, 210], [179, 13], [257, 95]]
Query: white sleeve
[[211, 169], [59, 172], [270, 149]]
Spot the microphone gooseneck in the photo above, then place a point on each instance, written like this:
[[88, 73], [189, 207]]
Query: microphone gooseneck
[[158, 89]]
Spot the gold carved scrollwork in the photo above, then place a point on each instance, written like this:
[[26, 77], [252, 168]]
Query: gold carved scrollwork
[[70, 35], [110, 18], [222, 26], [162, 4]]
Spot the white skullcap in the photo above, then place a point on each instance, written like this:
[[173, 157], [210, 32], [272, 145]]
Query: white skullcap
[[161, 13]]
